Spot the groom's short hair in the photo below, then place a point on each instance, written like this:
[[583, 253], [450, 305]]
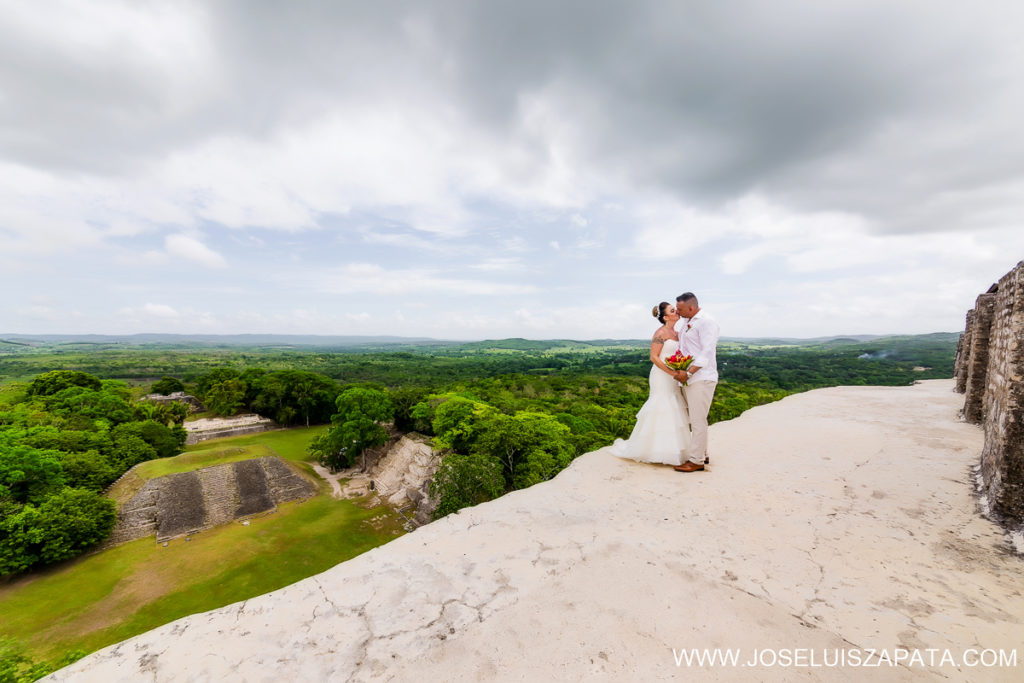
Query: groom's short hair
[[688, 297]]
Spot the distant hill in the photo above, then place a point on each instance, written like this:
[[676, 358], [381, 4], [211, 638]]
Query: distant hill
[[344, 341], [193, 340]]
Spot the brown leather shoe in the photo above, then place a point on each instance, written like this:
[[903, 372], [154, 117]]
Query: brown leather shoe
[[688, 467]]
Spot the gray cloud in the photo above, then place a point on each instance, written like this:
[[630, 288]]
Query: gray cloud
[[880, 109]]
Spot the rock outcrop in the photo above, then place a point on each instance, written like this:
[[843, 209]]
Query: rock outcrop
[[989, 371], [187, 502], [832, 521]]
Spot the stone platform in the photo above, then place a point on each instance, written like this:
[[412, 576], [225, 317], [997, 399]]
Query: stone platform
[[220, 427], [839, 520]]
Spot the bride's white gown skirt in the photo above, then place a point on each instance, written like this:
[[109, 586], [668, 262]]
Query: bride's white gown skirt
[[662, 430]]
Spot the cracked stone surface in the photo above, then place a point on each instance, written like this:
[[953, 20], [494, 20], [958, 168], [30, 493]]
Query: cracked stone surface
[[839, 518]]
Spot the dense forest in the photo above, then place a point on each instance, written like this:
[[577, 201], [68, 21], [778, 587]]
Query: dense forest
[[62, 441], [789, 364]]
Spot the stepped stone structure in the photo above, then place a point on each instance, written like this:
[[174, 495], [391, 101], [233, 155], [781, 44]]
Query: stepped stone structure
[[219, 427], [989, 371], [401, 476], [185, 503], [175, 397]]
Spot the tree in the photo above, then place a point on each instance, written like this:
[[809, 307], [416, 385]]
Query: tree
[[227, 397], [313, 394], [357, 426], [291, 394], [129, 450], [532, 447], [73, 520], [179, 411], [87, 405], [164, 441], [404, 400], [464, 480], [456, 422], [215, 376], [166, 385], [16, 666], [58, 380], [66, 440], [89, 470], [29, 475], [61, 527]]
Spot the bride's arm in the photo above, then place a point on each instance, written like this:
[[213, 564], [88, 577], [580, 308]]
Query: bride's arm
[[656, 345]]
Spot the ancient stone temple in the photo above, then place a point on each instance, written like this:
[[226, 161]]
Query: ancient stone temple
[[989, 371]]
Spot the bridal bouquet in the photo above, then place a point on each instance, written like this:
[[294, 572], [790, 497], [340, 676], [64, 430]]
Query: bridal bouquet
[[677, 361]]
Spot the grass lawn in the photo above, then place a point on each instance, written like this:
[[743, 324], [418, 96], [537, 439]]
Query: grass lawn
[[287, 444], [94, 601], [290, 444]]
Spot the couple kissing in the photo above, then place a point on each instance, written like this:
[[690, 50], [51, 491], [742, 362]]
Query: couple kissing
[[672, 425]]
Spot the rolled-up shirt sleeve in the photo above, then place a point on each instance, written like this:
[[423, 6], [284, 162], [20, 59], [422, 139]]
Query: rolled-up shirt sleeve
[[707, 336]]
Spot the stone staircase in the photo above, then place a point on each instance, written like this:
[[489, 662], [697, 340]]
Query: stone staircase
[[180, 506], [137, 517], [253, 490], [220, 492], [405, 470], [285, 484]]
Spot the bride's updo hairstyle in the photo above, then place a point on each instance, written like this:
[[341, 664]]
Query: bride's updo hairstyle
[[659, 311]]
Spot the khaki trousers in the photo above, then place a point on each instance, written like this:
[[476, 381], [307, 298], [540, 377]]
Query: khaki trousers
[[698, 397]]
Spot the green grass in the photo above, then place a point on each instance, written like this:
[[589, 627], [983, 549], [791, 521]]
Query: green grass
[[103, 598], [186, 462], [290, 444], [118, 593]]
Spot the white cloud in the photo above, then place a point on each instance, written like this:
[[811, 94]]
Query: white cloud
[[151, 310], [192, 249], [159, 310], [498, 264], [483, 174], [38, 312], [371, 278]]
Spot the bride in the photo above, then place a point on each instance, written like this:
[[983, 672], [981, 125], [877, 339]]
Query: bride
[[662, 430]]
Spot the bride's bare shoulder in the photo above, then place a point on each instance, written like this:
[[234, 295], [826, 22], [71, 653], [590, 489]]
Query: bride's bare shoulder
[[661, 336]]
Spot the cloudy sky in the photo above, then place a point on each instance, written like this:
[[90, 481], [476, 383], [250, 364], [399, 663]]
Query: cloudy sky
[[542, 169]]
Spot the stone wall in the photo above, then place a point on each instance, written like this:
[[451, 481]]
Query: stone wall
[[976, 362], [990, 372]]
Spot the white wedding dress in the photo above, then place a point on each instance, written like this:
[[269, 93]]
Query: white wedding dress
[[662, 430]]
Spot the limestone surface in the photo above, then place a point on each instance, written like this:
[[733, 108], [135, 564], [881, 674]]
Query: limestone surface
[[837, 521]]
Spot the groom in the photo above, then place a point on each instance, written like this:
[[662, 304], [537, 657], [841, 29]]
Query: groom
[[698, 337]]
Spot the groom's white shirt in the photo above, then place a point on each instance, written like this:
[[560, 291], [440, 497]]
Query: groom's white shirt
[[698, 337]]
